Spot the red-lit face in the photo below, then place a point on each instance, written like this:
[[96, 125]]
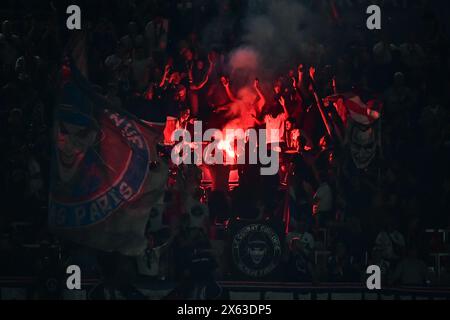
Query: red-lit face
[[149, 93], [289, 126], [323, 143], [175, 78], [182, 93], [185, 114], [331, 158], [200, 65], [188, 55], [277, 89]]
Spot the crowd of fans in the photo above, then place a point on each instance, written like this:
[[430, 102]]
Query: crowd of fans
[[150, 58]]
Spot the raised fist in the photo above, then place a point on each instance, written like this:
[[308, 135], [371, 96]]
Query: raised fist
[[225, 81], [312, 72], [256, 83]]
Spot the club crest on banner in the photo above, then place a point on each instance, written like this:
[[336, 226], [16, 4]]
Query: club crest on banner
[[256, 250], [99, 167]]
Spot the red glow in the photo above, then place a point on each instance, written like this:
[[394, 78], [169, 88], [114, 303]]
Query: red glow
[[227, 146]]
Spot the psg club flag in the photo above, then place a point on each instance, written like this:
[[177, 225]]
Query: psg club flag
[[104, 180]]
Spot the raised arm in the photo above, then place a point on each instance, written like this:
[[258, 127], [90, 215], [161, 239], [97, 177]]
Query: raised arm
[[226, 85], [165, 75], [312, 74], [300, 76], [333, 85], [257, 121], [262, 100], [206, 79], [283, 104]]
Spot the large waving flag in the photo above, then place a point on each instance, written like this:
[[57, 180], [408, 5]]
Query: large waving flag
[[361, 112], [104, 178], [351, 106]]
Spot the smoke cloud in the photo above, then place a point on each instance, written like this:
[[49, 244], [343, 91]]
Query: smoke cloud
[[276, 35], [281, 32]]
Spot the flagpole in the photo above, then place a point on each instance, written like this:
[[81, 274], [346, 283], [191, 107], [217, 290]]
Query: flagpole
[[319, 106]]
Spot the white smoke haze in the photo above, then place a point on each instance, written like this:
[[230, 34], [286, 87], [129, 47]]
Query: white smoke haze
[[281, 34], [276, 36], [244, 65], [240, 112], [245, 58]]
